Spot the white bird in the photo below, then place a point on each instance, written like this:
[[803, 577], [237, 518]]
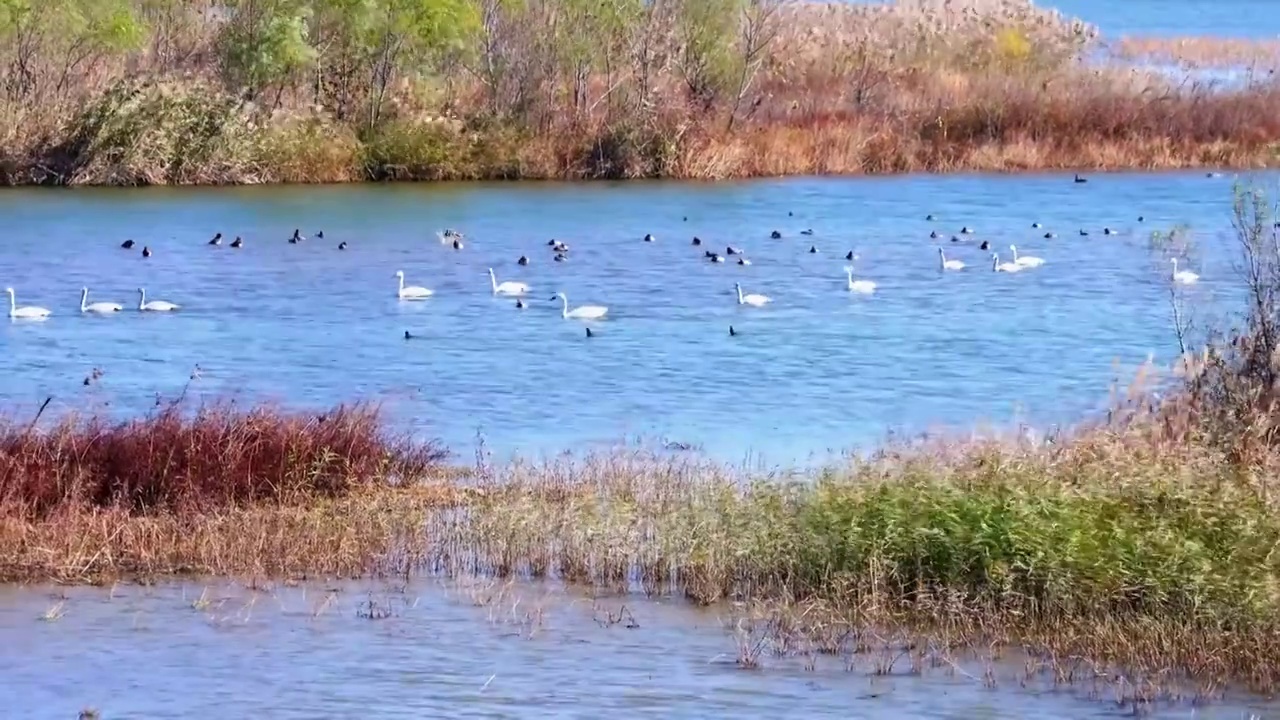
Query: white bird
[[585, 312], [949, 264], [1029, 261], [1186, 277], [98, 307], [1004, 267], [154, 305], [508, 287], [30, 312], [865, 287], [752, 299], [411, 292]]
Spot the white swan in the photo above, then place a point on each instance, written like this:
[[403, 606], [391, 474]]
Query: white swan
[[411, 292], [98, 307], [1185, 277], [1004, 267], [508, 287], [30, 312], [866, 287], [586, 312], [1026, 260], [752, 299], [949, 264], [154, 305]]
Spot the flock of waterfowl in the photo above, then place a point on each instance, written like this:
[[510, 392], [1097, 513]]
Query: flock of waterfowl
[[1019, 263]]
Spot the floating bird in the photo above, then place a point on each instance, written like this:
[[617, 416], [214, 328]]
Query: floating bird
[[731, 250], [1026, 260], [585, 312], [524, 260], [1084, 233], [966, 230], [949, 264], [1004, 267], [866, 287], [411, 292], [1080, 179], [1108, 231], [775, 235], [808, 231], [732, 332], [507, 288], [296, 238], [407, 336], [715, 257], [753, 299], [342, 245], [1141, 218], [98, 307], [237, 243], [29, 312], [127, 244], [154, 305], [743, 261], [848, 255], [813, 249], [696, 240], [934, 235], [560, 257], [457, 244], [217, 239], [1035, 225], [1184, 277], [320, 235], [519, 304], [146, 251], [929, 217], [1049, 236], [647, 238], [589, 333]]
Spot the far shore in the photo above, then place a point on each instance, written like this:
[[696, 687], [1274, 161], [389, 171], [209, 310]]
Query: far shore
[[689, 90]]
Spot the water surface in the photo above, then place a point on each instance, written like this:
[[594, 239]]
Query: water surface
[[459, 651], [818, 370]]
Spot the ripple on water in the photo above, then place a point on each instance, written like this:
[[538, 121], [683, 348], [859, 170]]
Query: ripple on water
[[820, 368]]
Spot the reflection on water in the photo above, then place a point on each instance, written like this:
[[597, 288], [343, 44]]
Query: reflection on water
[[470, 650], [819, 369]]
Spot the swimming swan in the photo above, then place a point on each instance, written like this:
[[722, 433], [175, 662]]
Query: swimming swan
[[1185, 277], [30, 312], [752, 299], [586, 312], [154, 305], [1026, 260], [411, 292], [98, 307], [506, 288], [949, 264], [865, 287], [1004, 267]]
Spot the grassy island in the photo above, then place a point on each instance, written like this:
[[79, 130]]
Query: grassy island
[[132, 92]]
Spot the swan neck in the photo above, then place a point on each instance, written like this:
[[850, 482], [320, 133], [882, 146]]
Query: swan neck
[[493, 280], [84, 297], [564, 306]]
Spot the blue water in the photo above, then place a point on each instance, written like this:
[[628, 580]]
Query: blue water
[[819, 370]]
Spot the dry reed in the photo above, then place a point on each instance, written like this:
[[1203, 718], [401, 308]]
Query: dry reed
[[699, 89]]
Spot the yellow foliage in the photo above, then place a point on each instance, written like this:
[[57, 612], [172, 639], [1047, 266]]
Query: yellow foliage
[[1012, 46]]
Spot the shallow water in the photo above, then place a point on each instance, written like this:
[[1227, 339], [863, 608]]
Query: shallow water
[[818, 370], [457, 651]]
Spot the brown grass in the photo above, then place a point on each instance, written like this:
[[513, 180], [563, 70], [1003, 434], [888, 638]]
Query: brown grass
[[192, 462], [756, 88]]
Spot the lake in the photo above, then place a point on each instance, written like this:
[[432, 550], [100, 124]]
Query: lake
[[464, 650], [818, 370]]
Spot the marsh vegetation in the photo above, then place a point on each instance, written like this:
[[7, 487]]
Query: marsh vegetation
[[248, 91]]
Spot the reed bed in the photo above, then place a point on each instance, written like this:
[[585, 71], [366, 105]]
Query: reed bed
[[699, 89]]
